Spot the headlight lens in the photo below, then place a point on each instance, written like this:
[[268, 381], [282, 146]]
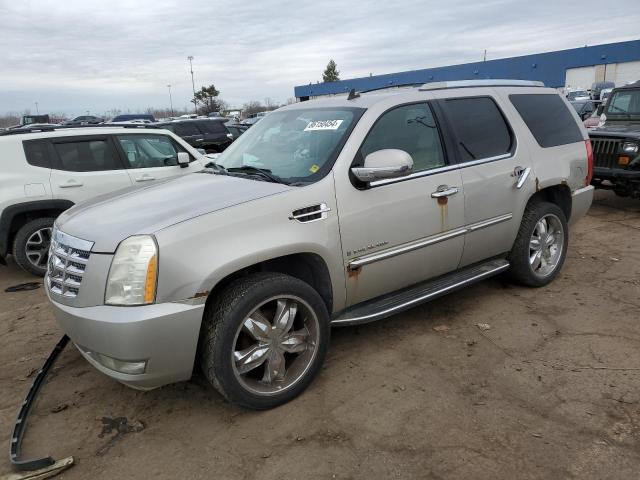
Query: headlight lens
[[630, 147], [133, 273]]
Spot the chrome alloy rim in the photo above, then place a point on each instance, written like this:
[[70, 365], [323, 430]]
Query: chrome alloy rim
[[37, 247], [546, 245], [275, 345]]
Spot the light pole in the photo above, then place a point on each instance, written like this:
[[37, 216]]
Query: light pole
[[193, 85], [37, 111], [170, 99]]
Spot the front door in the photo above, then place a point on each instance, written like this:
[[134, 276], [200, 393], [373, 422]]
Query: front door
[[399, 232]]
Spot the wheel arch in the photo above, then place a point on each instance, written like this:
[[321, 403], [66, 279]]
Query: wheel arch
[[309, 267], [559, 194], [15, 216]]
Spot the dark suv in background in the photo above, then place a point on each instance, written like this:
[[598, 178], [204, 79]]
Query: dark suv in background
[[211, 135], [616, 143]]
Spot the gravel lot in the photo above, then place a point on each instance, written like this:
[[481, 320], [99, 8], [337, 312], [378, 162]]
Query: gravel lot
[[550, 391]]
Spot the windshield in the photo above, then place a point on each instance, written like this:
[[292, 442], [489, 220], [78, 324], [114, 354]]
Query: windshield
[[624, 102], [294, 145]]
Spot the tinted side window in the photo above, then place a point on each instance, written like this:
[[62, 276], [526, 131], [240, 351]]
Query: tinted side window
[[411, 128], [186, 129], [209, 126], [148, 151], [37, 153], [87, 156], [548, 118], [480, 128]]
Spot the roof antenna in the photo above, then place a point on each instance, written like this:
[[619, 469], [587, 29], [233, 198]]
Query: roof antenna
[[353, 94]]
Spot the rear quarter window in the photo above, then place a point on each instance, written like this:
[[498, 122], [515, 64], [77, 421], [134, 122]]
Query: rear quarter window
[[548, 119], [38, 153]]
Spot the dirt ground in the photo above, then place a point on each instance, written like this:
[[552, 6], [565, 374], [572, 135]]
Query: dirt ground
[[550, 391]]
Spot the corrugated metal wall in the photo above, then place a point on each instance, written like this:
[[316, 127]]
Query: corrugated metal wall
[[548, 67]]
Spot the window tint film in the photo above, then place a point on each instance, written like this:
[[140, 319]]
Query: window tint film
[[411, 128], [87, 156], [481, 130], [186, 129], [37, 153], [148, 151], [548, 118], [212, 127]]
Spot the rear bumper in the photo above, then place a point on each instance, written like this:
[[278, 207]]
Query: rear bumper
[[164, 335], [581, 202]]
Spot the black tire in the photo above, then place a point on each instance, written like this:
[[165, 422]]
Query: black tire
[[521, 270], [20, 246], [222, 320]]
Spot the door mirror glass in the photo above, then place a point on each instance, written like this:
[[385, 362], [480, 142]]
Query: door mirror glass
[[183, 159], [383, 165]]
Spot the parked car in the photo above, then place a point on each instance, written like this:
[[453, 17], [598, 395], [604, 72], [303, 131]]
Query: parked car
[[604, 94], [45, 172], [616, 143], [31, 119], [129, 117], [85, 120], [251, 121], [236, 129], [211, 135], [330, 212], [584, 108], [597, 88], [578, 95], [594, 119]]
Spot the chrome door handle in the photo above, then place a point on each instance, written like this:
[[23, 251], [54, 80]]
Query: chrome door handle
[[521, 175], [444, 191], [70, 184], [145, 178]]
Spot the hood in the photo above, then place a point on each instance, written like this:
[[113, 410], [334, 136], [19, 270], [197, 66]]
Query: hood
[[109, 219], [617, 128]]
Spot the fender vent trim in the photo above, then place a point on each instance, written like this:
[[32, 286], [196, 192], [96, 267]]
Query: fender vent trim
[[311, 213]]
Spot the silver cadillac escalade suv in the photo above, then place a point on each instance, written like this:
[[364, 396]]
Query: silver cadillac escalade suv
[[337, 211]]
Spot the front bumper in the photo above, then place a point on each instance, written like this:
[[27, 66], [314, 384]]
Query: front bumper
[[581, 200], [604, 173], [164, 335]]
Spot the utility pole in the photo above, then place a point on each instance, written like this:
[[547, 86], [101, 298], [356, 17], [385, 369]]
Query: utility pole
[[170, 99], [37, 111], [193, 85], [485, 55]]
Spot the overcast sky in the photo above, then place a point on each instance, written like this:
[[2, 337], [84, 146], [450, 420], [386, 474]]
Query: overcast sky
[[77, 55]]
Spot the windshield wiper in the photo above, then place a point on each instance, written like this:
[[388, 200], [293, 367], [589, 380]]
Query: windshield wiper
[[263, 172]]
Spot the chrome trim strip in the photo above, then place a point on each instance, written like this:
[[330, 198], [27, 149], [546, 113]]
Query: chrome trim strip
[[523, 177], [71, 241], [422, 298], [447, 168], [322, 210], [421, 243], [406, 248], [487, 223]]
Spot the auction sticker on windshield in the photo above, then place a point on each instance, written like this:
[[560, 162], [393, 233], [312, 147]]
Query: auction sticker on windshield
[[323, 125]]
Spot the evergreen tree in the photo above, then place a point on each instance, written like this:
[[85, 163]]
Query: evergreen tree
[[331, 73]]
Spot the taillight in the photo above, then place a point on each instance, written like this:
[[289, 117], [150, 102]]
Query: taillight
[[587, 180]]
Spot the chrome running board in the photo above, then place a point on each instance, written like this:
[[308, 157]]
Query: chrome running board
[[401, 300]]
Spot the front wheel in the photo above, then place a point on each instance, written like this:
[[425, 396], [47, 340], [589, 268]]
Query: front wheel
[[541, 245], [264, 339], [31, 245]]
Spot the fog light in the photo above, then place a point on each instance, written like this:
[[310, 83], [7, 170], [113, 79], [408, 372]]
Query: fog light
[[121, 366]]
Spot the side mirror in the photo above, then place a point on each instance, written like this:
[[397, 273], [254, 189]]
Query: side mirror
[[383, 165], [183, 159]]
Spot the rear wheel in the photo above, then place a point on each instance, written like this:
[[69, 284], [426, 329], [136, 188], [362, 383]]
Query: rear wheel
[[541, 245], [31, 245], [264, 340]]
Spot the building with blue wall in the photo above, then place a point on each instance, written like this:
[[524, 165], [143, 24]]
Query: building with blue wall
[[574, 67]]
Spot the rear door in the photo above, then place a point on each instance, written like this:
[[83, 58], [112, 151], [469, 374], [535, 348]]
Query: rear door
[[86, 166], [491, 162], [189, 133], [152, 156]]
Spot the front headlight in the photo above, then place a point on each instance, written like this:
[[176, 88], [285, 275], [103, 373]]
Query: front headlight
[[133, 273], [630, 147]]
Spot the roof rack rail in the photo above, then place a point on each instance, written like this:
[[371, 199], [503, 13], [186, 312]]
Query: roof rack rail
[[23, 130], [480, 83]]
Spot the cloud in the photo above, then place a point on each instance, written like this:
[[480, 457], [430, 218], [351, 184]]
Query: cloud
[[80, 55]]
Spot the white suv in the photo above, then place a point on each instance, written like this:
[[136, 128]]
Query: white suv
[[45, 172]]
